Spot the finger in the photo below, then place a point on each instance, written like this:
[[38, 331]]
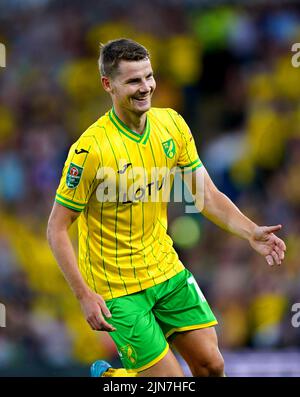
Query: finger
[[99, 324], [105, 310], [270, 260], [276, 257], [279, 251], [280, 243], [272, 229], [108, 327], [104, 325], [93, 324]]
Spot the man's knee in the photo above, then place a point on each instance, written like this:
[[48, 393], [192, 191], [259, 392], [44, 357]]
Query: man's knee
[[213, 366]]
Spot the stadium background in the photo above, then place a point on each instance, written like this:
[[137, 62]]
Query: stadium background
[[226, 66]]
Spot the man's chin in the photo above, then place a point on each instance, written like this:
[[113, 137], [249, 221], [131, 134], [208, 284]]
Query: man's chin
[[141, 109]]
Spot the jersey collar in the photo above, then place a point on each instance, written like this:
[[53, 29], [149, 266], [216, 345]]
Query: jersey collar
[[122, 127]]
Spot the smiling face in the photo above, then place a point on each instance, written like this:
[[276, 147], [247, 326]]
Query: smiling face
[[132, 86]]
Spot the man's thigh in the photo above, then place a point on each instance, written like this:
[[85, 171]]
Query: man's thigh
[[181, 306], [168, 366], [138, 337], [200, 350]]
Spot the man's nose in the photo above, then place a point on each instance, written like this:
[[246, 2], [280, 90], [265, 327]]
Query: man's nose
[[145, 86]]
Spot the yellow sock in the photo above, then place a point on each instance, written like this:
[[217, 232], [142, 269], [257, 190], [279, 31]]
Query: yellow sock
[[119, 372]]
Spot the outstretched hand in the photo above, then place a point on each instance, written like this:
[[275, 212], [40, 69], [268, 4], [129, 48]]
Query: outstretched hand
[[266, 243]]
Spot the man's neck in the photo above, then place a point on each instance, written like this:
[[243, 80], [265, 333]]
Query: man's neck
[[134, 122]]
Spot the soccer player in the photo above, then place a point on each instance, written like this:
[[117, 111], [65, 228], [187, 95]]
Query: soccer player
[[130, 281]]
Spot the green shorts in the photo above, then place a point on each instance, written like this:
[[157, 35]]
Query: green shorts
[[147, 319]]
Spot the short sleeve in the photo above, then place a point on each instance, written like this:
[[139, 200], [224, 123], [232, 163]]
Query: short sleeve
[[188, 157], [79, 175]]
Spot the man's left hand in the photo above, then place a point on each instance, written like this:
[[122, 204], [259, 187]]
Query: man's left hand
[[266, 243]]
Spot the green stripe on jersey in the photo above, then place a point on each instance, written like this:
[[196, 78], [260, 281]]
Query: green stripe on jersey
[[67, 205]]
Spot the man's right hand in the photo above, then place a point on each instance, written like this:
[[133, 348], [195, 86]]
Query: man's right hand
[[94, 309]]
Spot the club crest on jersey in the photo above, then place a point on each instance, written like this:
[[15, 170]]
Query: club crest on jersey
[[128, 353], [74, 175], [169, 148]]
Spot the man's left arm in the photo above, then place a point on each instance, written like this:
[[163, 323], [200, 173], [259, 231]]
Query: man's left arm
[[219, 209]]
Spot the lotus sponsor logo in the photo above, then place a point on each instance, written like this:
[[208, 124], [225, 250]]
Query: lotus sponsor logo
[[130, 185]]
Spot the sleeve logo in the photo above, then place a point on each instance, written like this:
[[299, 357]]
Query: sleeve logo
[[74, 175], [169, 148]]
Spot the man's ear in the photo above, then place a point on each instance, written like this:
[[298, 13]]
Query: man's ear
[[106, 83]]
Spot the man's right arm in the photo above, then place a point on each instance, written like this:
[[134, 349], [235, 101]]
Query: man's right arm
[[92, 304]]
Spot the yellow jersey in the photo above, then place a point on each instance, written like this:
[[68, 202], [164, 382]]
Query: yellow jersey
[[117, 179]]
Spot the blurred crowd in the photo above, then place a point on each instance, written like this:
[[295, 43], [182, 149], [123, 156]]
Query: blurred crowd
[[228, 71]]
